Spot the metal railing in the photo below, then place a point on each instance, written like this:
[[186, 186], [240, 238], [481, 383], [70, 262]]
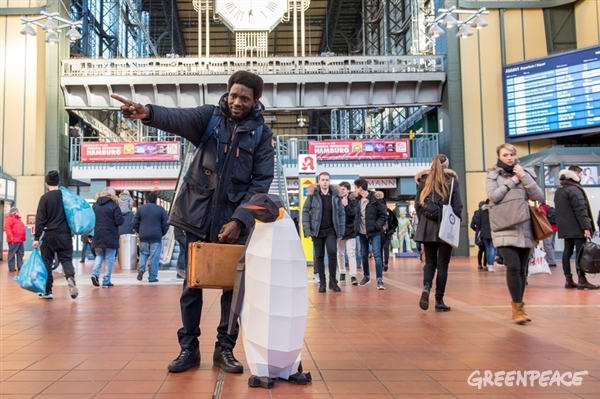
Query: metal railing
[[263, 66]]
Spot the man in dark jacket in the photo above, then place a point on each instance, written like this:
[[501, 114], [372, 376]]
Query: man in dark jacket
[[486, 236], [106, 234], [372, 215], [324, 220], [52, 222], [229, 167], [574, 221], [150, 223], [347, 244], [386, 237]]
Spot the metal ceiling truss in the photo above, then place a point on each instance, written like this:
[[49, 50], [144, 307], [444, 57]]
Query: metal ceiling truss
[[174, 29]]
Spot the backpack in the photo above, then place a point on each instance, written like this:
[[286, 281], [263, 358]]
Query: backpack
[[551, 214], [392, 223], [588, 257], [432, 210]]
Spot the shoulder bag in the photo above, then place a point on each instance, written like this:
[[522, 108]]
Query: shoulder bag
[[508, 213], [450, 225], [539, 223], [588, 257]]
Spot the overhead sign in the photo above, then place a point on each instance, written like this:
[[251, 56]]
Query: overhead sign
[[359, 149], [307, 164], [130, 152], [143, 185], [382, 182]]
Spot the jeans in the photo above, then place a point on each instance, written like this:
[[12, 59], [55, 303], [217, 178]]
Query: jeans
[[60, 245], [386, 239], [191, 309], [152, 251], [347, 247], [549, 249], [568, 252], [516, 261], [437, 257], [358, 252], [15, 251], [490, 251], [321, 243], [375, 242], [101, 255]]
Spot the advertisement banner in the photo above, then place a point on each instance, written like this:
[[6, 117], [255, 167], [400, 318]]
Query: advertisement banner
[[130, 152], [144, 185], [359, 149]]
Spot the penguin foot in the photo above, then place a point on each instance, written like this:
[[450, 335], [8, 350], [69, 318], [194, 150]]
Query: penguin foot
[[256, 381], [300, 378]]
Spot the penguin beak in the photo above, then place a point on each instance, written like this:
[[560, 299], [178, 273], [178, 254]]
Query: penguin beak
[[254, 207]]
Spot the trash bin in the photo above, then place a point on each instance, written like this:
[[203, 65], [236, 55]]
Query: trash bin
[[128, 251]]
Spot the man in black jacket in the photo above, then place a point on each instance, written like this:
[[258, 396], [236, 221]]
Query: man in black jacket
[[52, 222], [347, 244], [150, 223], [228, 169], [574, 221], [372, 215]]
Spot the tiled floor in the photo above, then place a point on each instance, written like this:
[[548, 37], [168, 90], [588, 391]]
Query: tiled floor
[[363, 343]]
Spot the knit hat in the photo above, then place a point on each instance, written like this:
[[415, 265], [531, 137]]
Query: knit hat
[[52, 178], [110, 190], [126, 192], [13, 210]]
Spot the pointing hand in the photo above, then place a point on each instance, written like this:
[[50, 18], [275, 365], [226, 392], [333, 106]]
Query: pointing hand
[[132, 110]]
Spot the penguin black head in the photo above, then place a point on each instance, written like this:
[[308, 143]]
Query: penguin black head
[[265, 208]]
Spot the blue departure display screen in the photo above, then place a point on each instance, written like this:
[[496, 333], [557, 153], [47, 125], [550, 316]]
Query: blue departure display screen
[[556, 94]]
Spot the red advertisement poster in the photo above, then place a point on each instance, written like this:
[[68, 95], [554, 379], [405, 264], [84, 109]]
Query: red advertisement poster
[[359, 149], [130, 152]]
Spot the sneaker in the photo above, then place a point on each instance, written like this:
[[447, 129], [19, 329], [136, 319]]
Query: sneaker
[[95, 281], [72, 287], [108, 285], [366, 280], [353, 280], [380, 285], [46, 296], [223, 358], [187, 359], [491, 269], [342, 277], [316, 278], [140, 276], [153, 281]]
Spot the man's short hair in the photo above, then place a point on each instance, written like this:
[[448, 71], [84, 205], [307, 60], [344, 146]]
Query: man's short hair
[[248, 79], [346, 185], [151, 197], [575, 168], [323, 173], [362, 183]]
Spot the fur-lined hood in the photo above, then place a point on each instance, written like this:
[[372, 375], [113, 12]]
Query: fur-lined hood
[[109, 194], [312, 189], [568, 174], [450, 174], [351, 196]]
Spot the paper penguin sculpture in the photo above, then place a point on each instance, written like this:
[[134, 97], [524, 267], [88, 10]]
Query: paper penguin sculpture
[[271, 295]]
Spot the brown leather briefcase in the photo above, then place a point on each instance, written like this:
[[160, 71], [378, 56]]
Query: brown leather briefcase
[[212, 265]]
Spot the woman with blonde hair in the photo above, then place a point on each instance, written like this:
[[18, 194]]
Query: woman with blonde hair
[[434, 190], [509, 187]]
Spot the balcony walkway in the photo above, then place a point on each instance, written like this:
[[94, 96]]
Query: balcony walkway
[[363, 343]]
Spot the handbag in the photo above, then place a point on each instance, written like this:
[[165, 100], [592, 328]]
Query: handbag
[[588, 257], [537, 263], [33, 274], [507, 214], [539, 223], [450, 225], [80, 215]]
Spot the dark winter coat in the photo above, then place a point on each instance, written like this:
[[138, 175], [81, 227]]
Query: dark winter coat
[[14, 228], [313, 208], [127, 226], [222, 175], [50, 218], [150, 222], [351, 220], [485, 228], [392, 223], [573, 212], [427, 229], [376, 213], [108, 220]]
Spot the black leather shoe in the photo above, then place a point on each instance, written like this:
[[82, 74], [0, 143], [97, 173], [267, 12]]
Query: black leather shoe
[[322, 286], [333, 286], [424, 302], [440, 306], [188, 358], [223, 358]]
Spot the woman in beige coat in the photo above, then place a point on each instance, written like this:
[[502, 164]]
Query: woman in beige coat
[[507, 181]]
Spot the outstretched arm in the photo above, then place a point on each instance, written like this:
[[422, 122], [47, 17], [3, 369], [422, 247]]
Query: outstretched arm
[[132, 110]]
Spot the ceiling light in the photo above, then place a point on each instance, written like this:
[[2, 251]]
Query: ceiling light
[[73, 34], [52, 38], [464, 32], [435, 31], [449, 21], [479, 23], [50, 26], [28, 31]]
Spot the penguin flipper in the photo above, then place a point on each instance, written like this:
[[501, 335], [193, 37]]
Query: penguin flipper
[[255, 381], [300, 378]]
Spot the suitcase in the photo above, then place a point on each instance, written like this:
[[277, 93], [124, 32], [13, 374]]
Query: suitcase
[[212, 265]]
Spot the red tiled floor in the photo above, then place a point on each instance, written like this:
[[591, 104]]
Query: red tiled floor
[[362, 343]]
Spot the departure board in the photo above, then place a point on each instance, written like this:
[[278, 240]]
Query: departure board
[[557, 95]]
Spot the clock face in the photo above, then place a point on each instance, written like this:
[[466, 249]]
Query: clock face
[[251, 15]]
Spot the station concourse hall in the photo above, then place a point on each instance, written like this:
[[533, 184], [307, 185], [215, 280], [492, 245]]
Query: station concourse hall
[[363, 343]]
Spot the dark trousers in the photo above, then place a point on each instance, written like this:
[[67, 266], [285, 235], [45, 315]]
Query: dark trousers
[[15, 251], [191, 310], [437, 258], [62, 246], [385, 247], [84, 251], [328, 242], [577, 243], [516, 261]]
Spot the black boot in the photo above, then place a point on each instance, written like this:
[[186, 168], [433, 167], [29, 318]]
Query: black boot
[[585, 285], [188, 358], [333, 285], [424, 302], [322, 286], [440, 306], [223, 358], [569, 283]]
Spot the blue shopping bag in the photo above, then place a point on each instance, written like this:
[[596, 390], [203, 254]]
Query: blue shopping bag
[[33, 274], [80, 215]]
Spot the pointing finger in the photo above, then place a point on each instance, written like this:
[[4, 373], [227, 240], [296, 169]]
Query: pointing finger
[[122, 99]]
